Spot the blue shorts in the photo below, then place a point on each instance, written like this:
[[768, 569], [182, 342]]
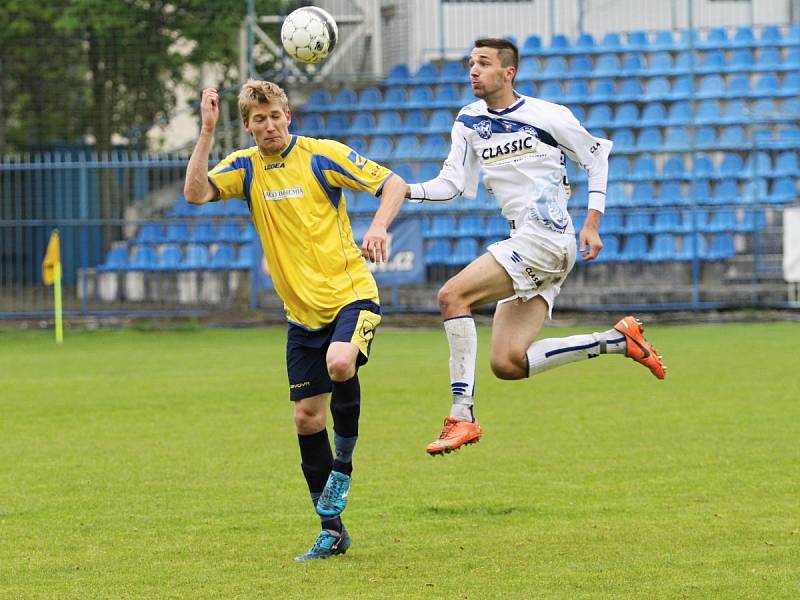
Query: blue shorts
[[306, 350]]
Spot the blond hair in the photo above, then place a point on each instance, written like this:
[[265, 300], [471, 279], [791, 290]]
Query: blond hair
[[256, 92]]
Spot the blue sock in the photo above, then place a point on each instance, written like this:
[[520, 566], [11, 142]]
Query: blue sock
[[343, 463]]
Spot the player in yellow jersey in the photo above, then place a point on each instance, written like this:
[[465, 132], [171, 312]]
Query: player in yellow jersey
[[294, 188]]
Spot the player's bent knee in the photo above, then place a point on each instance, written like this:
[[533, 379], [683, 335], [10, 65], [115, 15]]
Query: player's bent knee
[[504, 368], [449, 298], [341, 369], [307, 422]]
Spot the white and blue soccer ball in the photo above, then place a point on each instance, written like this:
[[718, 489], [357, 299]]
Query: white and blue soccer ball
[[309, 34]]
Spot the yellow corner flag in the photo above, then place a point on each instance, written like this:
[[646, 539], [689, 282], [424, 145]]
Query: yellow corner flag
[[51, 274]]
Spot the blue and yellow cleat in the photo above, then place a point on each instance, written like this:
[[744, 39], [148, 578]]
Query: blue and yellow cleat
[[334, 497], [328, 543]]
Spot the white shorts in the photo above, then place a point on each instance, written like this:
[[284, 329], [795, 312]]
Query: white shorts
[[538, 263]]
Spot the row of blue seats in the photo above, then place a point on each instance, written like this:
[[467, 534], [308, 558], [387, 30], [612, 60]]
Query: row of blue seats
[[655, 114], [660, 64], [214, 210], [637, 43], [202, 232], [171, 257], [577, 91], [665, 247], [664, 221]]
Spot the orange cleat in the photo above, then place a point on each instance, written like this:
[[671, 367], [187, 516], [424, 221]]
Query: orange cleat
[[454, 434], [637, 348]]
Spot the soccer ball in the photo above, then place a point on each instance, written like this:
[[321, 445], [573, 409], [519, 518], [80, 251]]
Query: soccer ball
[[309, 34]]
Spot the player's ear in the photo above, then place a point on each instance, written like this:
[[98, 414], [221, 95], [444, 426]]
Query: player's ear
[[246, 125], [288, 116]]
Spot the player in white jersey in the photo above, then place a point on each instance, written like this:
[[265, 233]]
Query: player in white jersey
[[521, 144]]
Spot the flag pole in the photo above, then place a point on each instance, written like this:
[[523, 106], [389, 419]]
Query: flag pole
[[57, 303]]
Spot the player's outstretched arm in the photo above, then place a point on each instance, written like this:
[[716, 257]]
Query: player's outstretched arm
[[590, 235], [373, 247], [197, 189]]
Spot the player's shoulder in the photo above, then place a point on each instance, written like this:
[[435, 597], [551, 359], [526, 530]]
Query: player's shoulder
[[322, 146], [473, 109]]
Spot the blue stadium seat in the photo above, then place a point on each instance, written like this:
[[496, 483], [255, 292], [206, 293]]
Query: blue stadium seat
[[624, 141], [532, 46], [599, 116], [792, 37], [577, 92], [337, 125], [670, 194], [380, 149], [741, 61], [714, 38], [788, 138], [722, 247], [650, 140], [580, 66], [404, 170], [529, 69], [703, 167], [407, 148], [526, 89], [700, 191], [470, 226], [644, 168], [576, 110], [660, 64], [758, 164], [441, 121], [559, 44], [770, 36], [637, 40], [634, 65], [692, 245], [726, 192], [438, 252], [615, 195], [116, 259], [744, 38], [389, 123], [721, 220], [433, 147], [612, 223], [441, 226], [370, 99], [143, 258], [453, 72], [663, 41], [769, 59], [663, 249], [709, 112], [752, 220], [611, 43], [551, 91], [681, 88], [585, 44], [421, 97], [318, 101], [658, 88], [604, 91], [676, 139], [414, 122], [246, 258], [394, 99], [608, 65], [674, 168], [784, 190], [790, 109], [627, 115], [713, 62], [666, 221], [196, 258], [787, 165], [224, 257], [363, 123], [711, 86], [177, 233], [496, 226], [447, 96], [791, 61], [638, 222], [356, 142], [634, 248], [345, 99], [203, 233], [736, 113], [610, 252], [685, 62], [555, 67], [427, 74], [738, 87], [653, 115], [732, 138], [169, 259], [229, 231], [630, 90], [150, 233], [680, 113], [643, 195], [731, 167], [312, 125], [398, 75]]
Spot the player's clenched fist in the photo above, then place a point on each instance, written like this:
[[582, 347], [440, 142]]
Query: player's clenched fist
[[209, 109]]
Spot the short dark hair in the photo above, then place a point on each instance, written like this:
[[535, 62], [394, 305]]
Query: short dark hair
[[506, 50]]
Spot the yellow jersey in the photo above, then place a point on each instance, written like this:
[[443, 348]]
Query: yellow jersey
[[299, 210]]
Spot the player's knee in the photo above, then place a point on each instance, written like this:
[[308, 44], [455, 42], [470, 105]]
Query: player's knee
[[449, 298], [307, 422], [504, 367], [340, 369]]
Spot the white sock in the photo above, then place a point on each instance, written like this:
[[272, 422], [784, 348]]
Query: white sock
[[463, 340], [554, 352]]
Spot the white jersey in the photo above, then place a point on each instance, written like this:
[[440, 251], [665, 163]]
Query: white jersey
[[521, 151]]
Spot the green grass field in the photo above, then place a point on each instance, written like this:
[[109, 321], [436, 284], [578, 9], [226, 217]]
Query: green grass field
[[139, 464]]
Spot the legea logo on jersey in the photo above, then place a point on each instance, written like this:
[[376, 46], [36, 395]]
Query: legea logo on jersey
[[294, 192], [358, 160], [279, 165], [484, 128]]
